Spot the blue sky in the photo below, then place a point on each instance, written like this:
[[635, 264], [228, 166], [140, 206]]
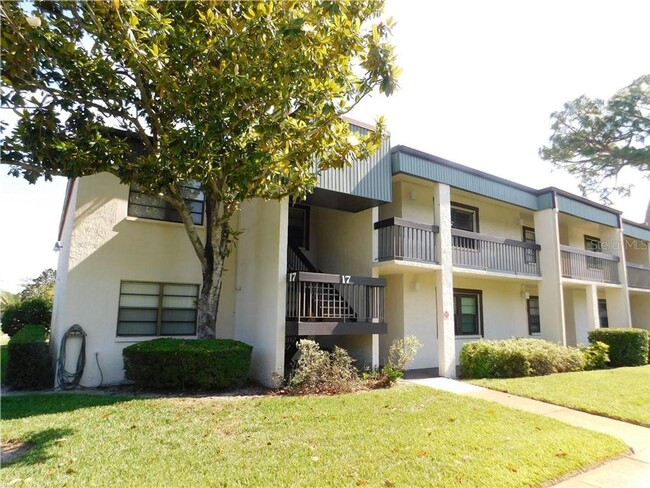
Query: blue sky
[[479, 84]]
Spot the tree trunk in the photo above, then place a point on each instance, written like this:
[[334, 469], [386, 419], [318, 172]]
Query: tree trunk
[[208, 306]]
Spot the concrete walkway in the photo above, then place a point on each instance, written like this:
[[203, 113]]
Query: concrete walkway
[[631, 471]]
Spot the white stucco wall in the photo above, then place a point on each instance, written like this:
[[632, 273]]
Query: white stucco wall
[[261, 285], [640, 310], [106, 247]]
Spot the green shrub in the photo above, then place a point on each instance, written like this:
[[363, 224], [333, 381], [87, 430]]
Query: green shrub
[[319, 371], [627, 347], [35, 311], [30, 362], [514, 358], [596, 355], [187, 364]]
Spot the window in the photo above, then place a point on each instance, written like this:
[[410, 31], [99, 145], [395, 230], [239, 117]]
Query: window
[[593, 244], [602, 314], [151, 309], [464, 217], [155, 208], [534, 326], [468, 312], [529, 236], [299, 226]]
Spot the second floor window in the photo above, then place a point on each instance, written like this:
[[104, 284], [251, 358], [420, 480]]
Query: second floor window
[[593, 244], [529, 236], [464, 217], [153, 207]]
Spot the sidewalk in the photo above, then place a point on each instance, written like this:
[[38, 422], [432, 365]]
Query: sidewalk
[[631, 471]]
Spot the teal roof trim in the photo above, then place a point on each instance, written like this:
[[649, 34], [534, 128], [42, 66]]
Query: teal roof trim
[[638, 231], [578, 208]]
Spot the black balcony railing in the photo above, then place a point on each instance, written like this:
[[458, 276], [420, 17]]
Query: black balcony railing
[[588, 265], [638, 276], [402, 239], [480, 251], [326, 304]]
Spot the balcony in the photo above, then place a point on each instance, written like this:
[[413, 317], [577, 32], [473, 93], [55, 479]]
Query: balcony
[[588, 265], [332, 304], [405, 240], [489, 253], [638, 276]]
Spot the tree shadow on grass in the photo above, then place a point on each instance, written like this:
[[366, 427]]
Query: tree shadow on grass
[[34, 449], [21, 406]]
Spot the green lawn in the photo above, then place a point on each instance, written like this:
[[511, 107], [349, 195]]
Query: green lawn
[[405, 436], [621, 393]]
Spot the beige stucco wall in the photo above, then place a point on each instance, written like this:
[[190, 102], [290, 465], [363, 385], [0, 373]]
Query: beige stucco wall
[[106, 247], [261, 285], [640, 309], [637, 251], [341, 242], [496, 218]]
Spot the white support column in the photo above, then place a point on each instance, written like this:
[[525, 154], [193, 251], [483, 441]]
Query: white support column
[[444, 284], [551, 301], [593, 319], [261, 285], [375, 351], [618, 300]]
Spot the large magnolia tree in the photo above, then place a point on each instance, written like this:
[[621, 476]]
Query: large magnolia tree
[[243, 98], [595, 139]]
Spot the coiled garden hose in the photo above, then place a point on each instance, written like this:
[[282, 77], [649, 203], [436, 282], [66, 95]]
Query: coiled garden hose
[[65, 379]]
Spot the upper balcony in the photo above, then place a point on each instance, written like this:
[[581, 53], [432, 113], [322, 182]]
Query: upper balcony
[[405, 240], [589, 265], [638, 276], [479, 251]]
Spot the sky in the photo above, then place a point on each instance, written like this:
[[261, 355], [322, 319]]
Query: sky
[[480, 80]]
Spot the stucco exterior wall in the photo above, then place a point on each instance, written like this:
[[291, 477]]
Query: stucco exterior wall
[[640, 310], [106, 247], [341, 242], [261, 285], [496, 218], [637, 251]]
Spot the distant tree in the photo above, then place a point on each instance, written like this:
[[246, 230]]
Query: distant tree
[[243, 98], [40, 287], [595, 139], [7, 298]]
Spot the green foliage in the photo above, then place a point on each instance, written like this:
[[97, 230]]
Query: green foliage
[[8, 298], [513, 358], [187, 364], [30, 362], [36, 311], [400, 353], [594, 139], [244, 98], [627, 347], [40, 287], [596, 356], [319, 371]]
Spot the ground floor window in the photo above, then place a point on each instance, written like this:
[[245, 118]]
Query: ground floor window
[[602, 313], [468, 312], [151, 309], [534, 326]]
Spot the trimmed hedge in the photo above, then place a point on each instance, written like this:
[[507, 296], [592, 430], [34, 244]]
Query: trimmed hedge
[[36, 311], [627, 347], [30, 361], [514, 358], [187, 364]]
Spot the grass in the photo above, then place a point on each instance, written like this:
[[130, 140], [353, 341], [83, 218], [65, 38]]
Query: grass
[[405, 436], [621, 393], [4, 339]]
